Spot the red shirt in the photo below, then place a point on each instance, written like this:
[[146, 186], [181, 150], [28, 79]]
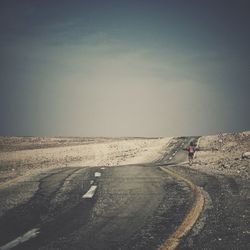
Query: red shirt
[[191, 149]]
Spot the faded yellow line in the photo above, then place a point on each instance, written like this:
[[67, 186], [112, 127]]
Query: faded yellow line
[[190, 219]]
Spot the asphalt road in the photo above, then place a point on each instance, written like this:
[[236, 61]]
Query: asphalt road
[[133, 207]]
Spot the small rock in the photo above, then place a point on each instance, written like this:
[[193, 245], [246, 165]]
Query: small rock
[[245, 155]]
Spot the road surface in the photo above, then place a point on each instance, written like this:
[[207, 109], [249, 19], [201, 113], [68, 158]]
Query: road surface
[[127, 207]]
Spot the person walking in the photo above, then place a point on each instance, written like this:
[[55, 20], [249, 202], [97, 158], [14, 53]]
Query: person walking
[[191, 150]]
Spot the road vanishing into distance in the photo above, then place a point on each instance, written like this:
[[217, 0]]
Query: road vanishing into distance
[[126, 207]]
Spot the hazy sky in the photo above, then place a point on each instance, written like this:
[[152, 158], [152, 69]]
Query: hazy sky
[[124, 68]]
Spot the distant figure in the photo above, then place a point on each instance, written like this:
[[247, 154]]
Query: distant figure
[[191, 150]]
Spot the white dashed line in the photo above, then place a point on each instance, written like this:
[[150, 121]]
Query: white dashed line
[[29, 235], [97, 174], [103, 168], [90, 193]]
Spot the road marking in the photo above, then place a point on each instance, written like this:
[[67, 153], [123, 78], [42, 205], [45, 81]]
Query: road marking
[[97, 174], [173, 241], [29, 235], [90, 193], [103, 168]]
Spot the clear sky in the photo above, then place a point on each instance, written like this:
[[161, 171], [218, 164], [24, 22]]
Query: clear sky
[[124, 68]]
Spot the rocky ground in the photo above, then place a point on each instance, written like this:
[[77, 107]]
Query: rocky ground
[[222, 154]]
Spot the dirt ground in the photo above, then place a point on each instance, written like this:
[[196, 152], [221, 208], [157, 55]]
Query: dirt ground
[[222, 154], [25, 156]]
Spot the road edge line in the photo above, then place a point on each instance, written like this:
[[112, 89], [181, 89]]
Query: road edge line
[[192, 216]]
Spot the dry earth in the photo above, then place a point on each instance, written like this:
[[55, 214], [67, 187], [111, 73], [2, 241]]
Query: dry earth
[[24, 156], [222, 154], [21, 157]]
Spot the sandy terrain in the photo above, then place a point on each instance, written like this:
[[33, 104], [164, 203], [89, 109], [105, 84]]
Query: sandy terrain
[[222, 154], [24, 156]]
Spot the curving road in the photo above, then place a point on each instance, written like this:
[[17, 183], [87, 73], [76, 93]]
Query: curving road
[[128, 207]]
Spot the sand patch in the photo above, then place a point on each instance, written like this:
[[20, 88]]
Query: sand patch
[[112, 152]]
